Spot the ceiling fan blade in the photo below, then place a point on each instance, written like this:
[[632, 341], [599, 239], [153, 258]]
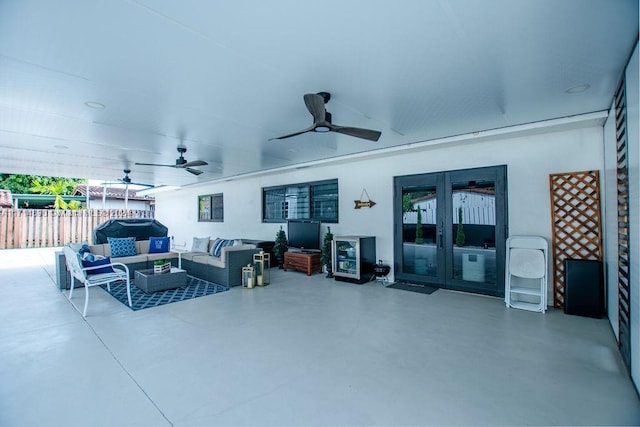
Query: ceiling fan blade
[[196, 172], [371, 135], [309, 129], [155, 164], [315, 105], [194, 163]]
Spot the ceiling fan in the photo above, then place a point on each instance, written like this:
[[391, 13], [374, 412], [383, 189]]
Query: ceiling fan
[[125, 180], [322, 120], [181, 162]]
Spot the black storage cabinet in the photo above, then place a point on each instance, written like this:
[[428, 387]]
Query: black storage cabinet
[[583, 288]]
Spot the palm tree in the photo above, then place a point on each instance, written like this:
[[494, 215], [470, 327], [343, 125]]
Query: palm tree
[[58, 189]]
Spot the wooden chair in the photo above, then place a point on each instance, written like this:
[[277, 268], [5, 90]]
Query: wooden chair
[[120, 274]]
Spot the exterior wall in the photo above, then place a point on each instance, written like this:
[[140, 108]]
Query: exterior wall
[[529, 159], [119, 204]]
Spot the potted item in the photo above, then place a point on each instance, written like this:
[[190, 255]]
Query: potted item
[[326, 252], [280, 247], [161, 266]]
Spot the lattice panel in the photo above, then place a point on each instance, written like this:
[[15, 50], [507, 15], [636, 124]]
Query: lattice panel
[[575, 214]]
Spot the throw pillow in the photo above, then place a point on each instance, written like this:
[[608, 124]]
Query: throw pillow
[[200, 244], [105, 261], [78, 246], [158, 245], [218, 244], [122, 246]]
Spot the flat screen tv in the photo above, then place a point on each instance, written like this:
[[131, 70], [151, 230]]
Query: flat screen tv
[[303, 235]]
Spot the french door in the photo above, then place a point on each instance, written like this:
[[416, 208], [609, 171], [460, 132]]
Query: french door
[[450, 229]]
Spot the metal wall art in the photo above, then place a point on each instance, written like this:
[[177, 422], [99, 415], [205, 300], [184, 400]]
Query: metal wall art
[[364, 203]]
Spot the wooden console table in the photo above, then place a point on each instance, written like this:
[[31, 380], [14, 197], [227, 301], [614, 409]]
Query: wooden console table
[[300, 261]]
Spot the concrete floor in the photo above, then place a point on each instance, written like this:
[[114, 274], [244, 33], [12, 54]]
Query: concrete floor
[[302, 351]]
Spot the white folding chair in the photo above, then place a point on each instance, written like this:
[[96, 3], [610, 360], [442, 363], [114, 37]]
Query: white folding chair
[[74, 264], [526, 258]]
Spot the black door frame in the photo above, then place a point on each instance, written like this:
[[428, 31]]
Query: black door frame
[[443, 182]]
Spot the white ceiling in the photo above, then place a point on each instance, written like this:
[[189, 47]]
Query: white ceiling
[[224, 77]]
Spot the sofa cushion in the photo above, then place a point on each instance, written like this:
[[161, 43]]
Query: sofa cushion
[[166, 255], [218, 244], [158, 245], [200, 244], [209, 260], [122, 246], [105, 261], [100, 250]]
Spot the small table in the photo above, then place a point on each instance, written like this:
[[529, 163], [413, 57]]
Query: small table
[[149, 281], [301, 261], [179, 251]]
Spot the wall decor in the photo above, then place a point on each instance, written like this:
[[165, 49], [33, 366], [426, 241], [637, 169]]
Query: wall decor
[[364, 203]]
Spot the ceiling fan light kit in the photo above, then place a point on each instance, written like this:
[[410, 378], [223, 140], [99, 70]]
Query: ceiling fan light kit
[[322, 120]]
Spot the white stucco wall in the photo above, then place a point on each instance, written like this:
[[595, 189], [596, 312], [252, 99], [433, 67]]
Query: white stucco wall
[[529, 159]]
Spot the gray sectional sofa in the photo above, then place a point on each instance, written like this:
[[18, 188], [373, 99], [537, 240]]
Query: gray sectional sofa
[[225, 270]]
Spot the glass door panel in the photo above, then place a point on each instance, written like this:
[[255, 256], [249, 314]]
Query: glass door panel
[[419, 231], [473, 231], [419, 256]]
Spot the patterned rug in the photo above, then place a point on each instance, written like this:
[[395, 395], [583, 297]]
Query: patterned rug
[[195, 288]]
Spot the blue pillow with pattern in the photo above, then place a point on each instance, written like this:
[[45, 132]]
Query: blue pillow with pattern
[[158, 245], [105, 261], [218, 244], [122, 246]]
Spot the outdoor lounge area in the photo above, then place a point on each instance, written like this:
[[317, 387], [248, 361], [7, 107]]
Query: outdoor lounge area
[[305, 350], [468, 172]]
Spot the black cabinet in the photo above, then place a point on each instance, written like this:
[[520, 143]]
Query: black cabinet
[[583, 288]]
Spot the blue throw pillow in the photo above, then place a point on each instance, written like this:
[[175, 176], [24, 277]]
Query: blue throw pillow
[[122, 246], [104, 261], [158, 245], [218, 244]]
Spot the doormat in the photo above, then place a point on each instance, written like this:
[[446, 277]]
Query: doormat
[[413, 287], [139, 299]]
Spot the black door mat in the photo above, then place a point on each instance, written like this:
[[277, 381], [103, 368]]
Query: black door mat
[[413, 287]]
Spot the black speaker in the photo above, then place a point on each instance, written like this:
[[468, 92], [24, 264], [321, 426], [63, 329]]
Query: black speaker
[[583, 288]]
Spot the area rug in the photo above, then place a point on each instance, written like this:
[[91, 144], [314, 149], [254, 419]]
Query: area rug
[[413, 287], [195, 288]]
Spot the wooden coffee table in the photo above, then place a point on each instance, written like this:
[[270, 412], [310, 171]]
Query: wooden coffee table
[[149, 281]]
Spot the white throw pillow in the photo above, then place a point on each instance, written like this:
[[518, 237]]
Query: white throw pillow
[[200, 244]]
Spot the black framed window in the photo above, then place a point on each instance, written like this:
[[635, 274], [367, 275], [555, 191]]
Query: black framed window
[[310, 200], [211, 208]]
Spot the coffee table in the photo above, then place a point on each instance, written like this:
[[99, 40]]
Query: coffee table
[[149, 281]]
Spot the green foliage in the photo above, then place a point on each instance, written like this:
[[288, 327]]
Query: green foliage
[[57, 188], [326, 247], [23, 184], [460, 232], [419, 236], [407, 203], [280, 246]]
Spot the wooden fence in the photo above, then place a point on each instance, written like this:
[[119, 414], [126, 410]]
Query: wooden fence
[[42, 228]]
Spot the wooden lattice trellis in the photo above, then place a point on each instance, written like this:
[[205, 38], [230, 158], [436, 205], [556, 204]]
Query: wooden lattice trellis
[[576, 228]]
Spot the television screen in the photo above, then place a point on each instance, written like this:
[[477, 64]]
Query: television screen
[[303, 235]]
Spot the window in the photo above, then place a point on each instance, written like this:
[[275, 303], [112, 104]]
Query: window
[[211, 208], [315, 200]]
